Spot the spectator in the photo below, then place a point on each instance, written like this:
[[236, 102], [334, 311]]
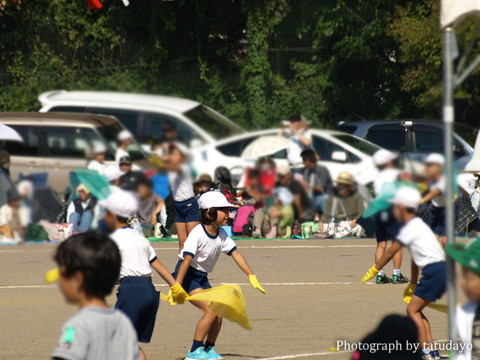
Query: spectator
[[281, 214], [223, 182], [113, 174], [300, 140], [125, 139], [170, 133], [150, 205], [14, 217], [344, 204], [130, 179], [302, 205], [5, 161], [203, 184], [81, 210], [98, 161], [316, 179]]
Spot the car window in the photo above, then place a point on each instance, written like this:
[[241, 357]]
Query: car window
[[390, 139], [326, 148], [212, 123], [359, 144], [76, 109], [129, 119], [428, 141], [72, 142], [30, 145], [154, 128], [235, 148]]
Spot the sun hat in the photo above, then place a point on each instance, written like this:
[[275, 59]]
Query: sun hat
[[345, 178], [83, 188], [127, 160], [407, 196], [467, 182], [124, 135], [99, 149], [435, 159], [213, 199], [467, 255], [283, 169], [284, 195], [204, 178], [113, 172], [383, 157], [121, 203]]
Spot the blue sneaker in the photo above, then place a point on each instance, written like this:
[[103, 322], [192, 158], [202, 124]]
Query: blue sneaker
[[436, 353], [214, 355], [198, 354]]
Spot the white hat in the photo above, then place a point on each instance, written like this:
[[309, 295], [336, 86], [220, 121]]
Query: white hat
[[124, 135], [284, 195], [408, 197], [181, 147], [112, 172], [99, 149], [467, 182], [121, 203], [213, 199], [382, 157], [283, 169], [435, 159]]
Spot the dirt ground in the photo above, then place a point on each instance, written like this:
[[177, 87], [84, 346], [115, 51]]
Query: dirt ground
[[314, 298]]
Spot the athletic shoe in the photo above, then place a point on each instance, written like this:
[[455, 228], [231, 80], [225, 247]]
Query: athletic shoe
[[437, 355], [198, 354], [429, 356], [256, 233], [272, 234], [382, 279], [399, 279], [214, 355]]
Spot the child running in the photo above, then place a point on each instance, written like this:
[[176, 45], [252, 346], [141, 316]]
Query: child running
[[89, 265], [427, 256], [136, 295], [200, 254]]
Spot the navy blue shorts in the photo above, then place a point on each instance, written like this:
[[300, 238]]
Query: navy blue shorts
[[436, 220], [386, 227], [194, 279], [139, 300], [433, 283], [186, 211]]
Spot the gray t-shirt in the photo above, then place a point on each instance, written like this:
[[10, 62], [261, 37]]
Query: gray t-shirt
[[94, 333], [147, 207]]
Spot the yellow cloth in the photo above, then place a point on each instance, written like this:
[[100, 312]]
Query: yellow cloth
[[407, 297], [52, 275], [370, 274]]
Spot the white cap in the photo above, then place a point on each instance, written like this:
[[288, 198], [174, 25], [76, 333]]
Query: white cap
[[121, 203], [435, 159], [182, 148], [99, 148], [124, 135], [467, 182], [213, 199], [283, 169], [284, 195], [382, 157], [408, 197], [112, 172]]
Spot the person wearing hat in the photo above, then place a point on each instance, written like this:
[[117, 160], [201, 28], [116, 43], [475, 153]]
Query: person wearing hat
[[300, 140], [136, 295], [14, 217], [386, 227], [203, 184], [130, 178], [466, 218], [281, 214], [81, 210], [98, 161], [427, 256], [125, 139], [204, 245], [113, 174], [344, 204], [434, 168], [468, 315]]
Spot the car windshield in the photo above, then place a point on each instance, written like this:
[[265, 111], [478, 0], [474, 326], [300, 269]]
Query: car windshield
[[110, 133], [213, 123], [467, 133], [359, 144]]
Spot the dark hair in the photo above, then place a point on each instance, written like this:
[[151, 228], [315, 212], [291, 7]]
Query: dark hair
[[411, 210], [145, 182], [223, 178], [254, 174], [309, 155], [296, 117], [203, 217], [96, 256]]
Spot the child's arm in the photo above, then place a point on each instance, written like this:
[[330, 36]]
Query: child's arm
[[187, 260], [176, 294], [157, 211], [432, 194], [242, 264], [163, 272], [384, 260]]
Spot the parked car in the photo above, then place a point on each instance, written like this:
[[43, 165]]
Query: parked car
[[418, 138], [338, 151], [57, 143], [145, 115]]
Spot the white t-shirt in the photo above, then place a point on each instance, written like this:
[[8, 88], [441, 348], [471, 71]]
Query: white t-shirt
[[181, 183], [137, 253], [383, 177], [206, 249], [120, 153], [95, 165], [296, 147], [422, 243], [439, 200]]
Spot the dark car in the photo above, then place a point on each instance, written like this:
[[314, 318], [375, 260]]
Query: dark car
[[416, 138]]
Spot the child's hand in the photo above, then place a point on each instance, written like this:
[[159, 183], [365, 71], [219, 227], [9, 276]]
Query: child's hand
[[370, 274], [254, 281], [177, 294]]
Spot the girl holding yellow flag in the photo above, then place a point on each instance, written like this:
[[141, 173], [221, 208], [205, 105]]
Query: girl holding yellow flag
[[201, 251]]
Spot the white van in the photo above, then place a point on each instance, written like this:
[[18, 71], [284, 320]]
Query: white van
[[145, 115]]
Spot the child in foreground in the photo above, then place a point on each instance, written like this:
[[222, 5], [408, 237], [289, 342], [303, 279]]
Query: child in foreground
[[89, 265], [200, 254], [468, 315], [427, 256]]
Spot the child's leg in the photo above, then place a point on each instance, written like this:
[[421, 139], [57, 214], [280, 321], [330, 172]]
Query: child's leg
[[190, 226], [397, 260], [142, 354], [208, 324], [214, 331], [182, 234], [414, 311], [380, 250]]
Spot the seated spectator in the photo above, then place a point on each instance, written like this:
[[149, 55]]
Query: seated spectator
[[150, 206], [281, 215], [316, 180], [81, 210], [13, 218], [345, 204], [203, 184], [98, 161], [223, 182], [302, 205], [129, 181]]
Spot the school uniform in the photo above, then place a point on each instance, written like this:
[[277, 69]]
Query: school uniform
[[186, 204], [436, 219], [205, 250], [428, 255], [136, 295], [386, 227]]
